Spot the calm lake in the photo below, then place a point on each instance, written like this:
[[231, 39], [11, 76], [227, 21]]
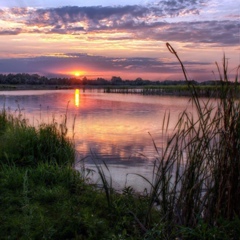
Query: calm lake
[[116, 128]]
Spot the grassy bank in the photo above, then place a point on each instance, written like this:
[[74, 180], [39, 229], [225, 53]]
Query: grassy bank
[[43, 197]]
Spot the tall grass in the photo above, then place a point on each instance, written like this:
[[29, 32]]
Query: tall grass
[[197, 175], [102, 170]]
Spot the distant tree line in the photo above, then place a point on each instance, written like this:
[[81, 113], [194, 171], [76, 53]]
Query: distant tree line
[[35, 79]]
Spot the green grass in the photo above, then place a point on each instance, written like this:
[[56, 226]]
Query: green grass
[[50, 202]]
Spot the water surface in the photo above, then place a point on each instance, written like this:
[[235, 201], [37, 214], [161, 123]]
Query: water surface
[[116, 128]]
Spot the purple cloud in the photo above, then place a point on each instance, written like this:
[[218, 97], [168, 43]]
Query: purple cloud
[[144, 22]]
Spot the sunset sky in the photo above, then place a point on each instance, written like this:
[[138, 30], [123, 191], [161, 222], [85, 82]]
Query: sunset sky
[[103, 39]]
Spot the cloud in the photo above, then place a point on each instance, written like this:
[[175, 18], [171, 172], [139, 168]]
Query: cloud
[[180, 7], [74, 14], [48, 65], [12, 31], [139, 22], [212, 32]]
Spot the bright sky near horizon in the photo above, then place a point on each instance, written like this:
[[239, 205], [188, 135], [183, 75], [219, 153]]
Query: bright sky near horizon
[[103, 39]]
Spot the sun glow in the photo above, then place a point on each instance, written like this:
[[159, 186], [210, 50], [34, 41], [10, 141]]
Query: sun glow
[[77, 74]]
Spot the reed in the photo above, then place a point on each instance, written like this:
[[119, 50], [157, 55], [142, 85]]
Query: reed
[[102, 170], [196, 177]]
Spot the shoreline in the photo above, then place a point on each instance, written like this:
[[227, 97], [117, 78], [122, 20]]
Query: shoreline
[[35, 87]]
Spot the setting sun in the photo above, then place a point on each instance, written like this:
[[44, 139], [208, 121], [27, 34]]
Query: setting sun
[[77, 74]]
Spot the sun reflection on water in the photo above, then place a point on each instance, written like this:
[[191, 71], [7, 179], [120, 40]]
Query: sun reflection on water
[[77, 97]]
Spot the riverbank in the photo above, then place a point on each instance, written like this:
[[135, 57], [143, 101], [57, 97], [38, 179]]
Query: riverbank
[[176, 90], [5, 87]]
